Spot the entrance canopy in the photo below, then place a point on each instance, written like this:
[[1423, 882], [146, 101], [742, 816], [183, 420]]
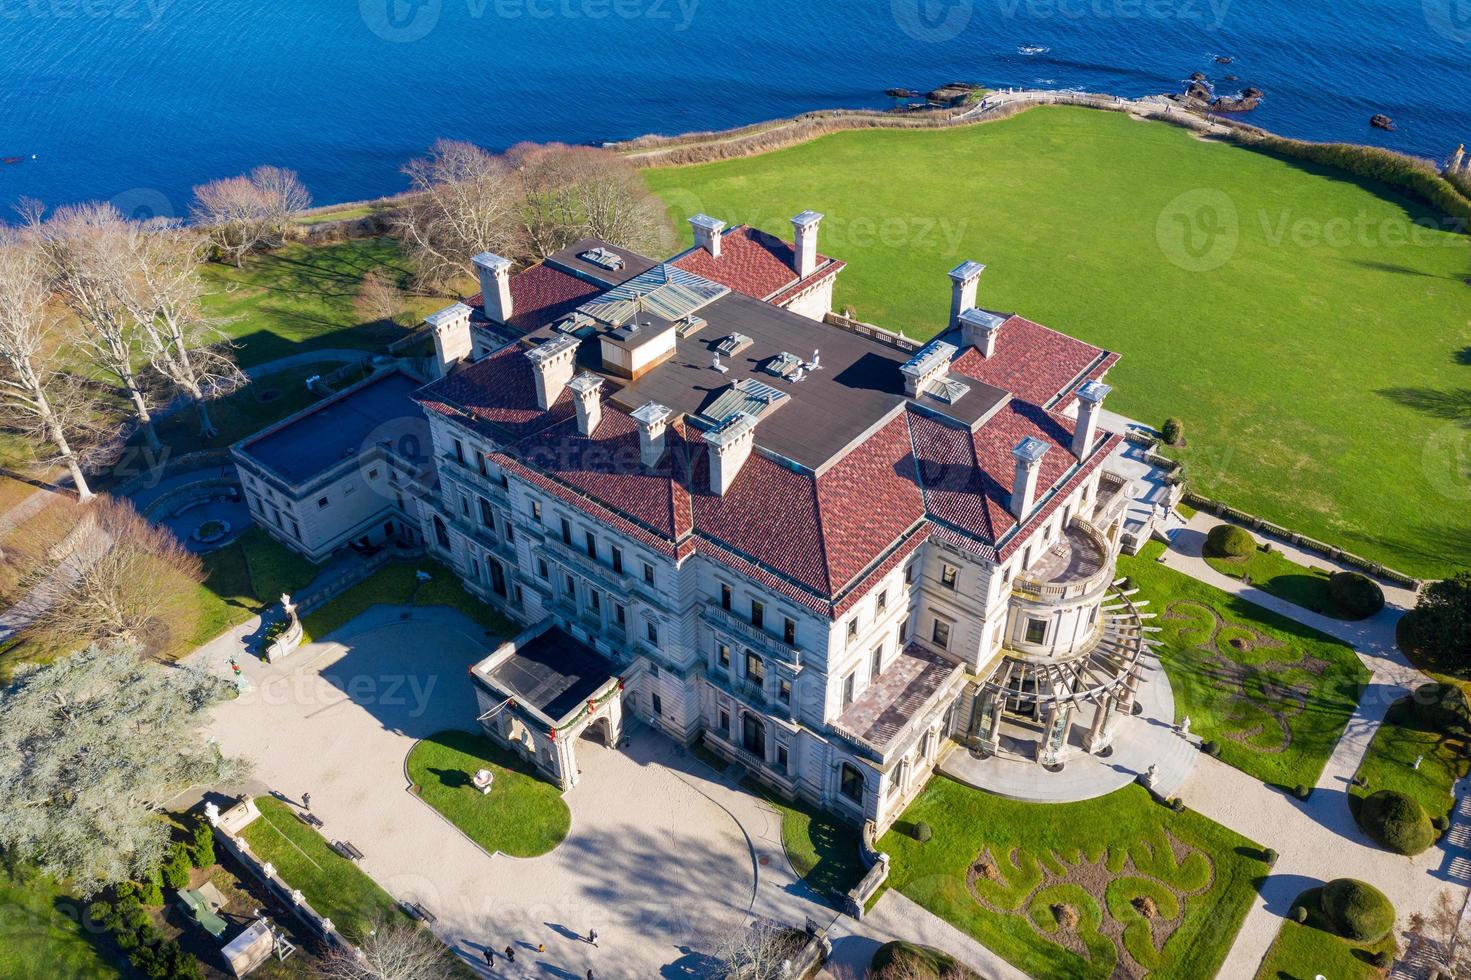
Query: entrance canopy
[[553, 673]]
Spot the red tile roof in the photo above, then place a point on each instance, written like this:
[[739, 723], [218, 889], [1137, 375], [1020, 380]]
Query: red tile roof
[[755, 263], [1033, 362], [541, 295]]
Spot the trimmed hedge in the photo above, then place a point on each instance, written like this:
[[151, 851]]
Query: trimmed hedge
[[1173, 431], [1357, 596], [1358, 910], [1396, 822], [1230, 541], [1441, 708]]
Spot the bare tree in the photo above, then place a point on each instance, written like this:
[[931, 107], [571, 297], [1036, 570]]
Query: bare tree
[[396, 950], [86, 245], [463, 205], [163, 295], [45, 402], [759, 952], [379, 298], [1441, 936], [566, 193], [115, 576], [252, 211]]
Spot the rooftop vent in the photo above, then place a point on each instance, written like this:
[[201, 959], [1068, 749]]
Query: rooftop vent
[[602, 258], [929, 364], [690, 325], [783, 365], [732, 345]]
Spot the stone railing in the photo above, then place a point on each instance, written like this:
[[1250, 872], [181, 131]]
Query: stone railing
[[1031, 588], [878, 871], [285, 642], [874, 332], [723, 619]]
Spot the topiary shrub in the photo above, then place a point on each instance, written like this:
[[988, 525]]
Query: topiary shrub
[[1396, 822], [1441, 708], [923, 832], [1269, 856], [1299, 914], [1173, 431], [1301, 792], [1211, 748], [1357, 910], [1441, 824], [1177, 804], [1229, 541], [1356, 596]]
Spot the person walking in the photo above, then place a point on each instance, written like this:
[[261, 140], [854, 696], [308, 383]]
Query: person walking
[[541, 947], [589, 974], [510, 955], [489, 956], [306, 802], [592, 938]]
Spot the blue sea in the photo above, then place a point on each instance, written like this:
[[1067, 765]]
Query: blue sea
[[139, 100]]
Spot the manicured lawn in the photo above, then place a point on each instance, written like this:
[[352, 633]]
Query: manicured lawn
[[1275, 359], [397, 584], [823, 850], [1283, 578], [1275, 695], [1390, 762], [245, 577], [332, 884], [523, 815], [301, 298], [1301, 952], [40, 934], [1034, 882]]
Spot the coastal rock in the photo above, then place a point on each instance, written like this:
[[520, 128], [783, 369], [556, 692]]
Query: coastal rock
[[1380, 121], [1231, 78], [1199, 90], [1223, 59], [1197, 76], [901, 93], [952, 93], [1245, 102]]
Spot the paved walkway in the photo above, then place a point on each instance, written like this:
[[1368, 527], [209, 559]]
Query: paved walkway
[[895, 917]]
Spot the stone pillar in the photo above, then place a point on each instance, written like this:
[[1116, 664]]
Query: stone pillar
[[1130, 691], [1054, 741], [1099, 734]]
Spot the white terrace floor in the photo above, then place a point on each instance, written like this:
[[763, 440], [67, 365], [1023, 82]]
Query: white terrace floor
[[662, 855]]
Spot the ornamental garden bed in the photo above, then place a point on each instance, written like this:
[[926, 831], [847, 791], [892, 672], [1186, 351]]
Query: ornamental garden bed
[[1113, 887], [1273, 694], [522, 815]]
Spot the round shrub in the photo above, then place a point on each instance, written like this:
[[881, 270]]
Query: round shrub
[[1440, 823], [1173, 431], [1441, 708], [1357, 596], [923, 832], [1211, 748], [1357, 910], [1177, 804], [1299, 914], [1396, 822], [1229, 541], [1269, 856], [1301, 792]]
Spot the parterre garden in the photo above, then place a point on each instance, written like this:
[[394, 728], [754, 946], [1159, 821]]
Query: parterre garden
[[1272, 695], [1120, 886]]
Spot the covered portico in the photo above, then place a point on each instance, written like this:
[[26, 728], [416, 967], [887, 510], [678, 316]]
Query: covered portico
[[541, 691]]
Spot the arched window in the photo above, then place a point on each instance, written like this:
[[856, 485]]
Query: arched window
[[441, 533], [850, 782]]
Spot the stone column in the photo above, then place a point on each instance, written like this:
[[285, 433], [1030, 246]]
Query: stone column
[[1130, 690], [1054, 744], [1100, 734]]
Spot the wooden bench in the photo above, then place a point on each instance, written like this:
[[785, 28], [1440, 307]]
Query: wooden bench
[[310, 819], [347, 850], [417, 911]]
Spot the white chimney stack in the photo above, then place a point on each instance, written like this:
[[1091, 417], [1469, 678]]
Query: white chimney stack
[[652, 419], [1028, 454], [707, 233], [585, 388], [963, 279], [451, 328], [495, 286], [1090, 403], [980, 329], [552, 363], [729, 447], [805, 225]]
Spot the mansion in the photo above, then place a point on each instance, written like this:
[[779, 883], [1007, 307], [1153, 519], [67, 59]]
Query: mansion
[[821, 549]]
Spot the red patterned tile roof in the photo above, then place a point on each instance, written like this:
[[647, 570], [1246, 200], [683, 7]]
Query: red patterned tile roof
[[1033, 362], [754, 263], [541, 295], [498, 390]]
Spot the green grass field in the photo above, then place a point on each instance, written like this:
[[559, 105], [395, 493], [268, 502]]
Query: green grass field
[[1303, 951], [822, 849], [1283, 578], [41, 935], [1275, 695], [1049, 886], [523, 815], [1322, 369], [243, 578], [397, 584]]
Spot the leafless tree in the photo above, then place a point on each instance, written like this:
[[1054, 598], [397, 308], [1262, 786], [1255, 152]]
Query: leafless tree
[[759, 952], [252, 211], [86, 249], [379, 298], [1441, 937], [571, 192], [37, 396], [115, 576], [163, 295], [462, 205], [391, 951]]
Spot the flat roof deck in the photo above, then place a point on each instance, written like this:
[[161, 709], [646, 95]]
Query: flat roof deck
[[553, 672], [338, 428], [899, 694], [1075, 556]]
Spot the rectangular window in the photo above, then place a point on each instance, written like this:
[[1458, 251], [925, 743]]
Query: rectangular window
[[852, 629], [758, 613], [1036, 631], [569, 586], [620, 615], [903, 630], [566, 531], [648, 573], [464, 506], [541, 569], [459, 452], [850, 684], [658, 704], [784, 691], [651, 630], [881, 603], [789, 631], [940, 635], [536, 511], [781, 758], [592, 544], [487, 516], [617, 553], [876, 663], [724, 722], [909, 574], [850, 783], [510, 531], [725, 596], [755, 668], [475, 569], [949, 575], [480, 461], [594, 600], [321, 502], [296, 529], [722, 655], [373, 473]]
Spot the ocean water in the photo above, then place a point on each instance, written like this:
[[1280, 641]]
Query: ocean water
[[139, 100]]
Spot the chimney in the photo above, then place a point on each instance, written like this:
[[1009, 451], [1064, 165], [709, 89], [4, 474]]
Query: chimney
[[552, 362], [930, 363], [963, 279], [806, 227], [729, 447], [652, 419], [1028, 454], [707, 233], [495, 286], [1090, 403], [979, 329], [585, 388], [451, 327]]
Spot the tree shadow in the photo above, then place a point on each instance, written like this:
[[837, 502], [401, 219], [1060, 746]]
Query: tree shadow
[[1451, 405]]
